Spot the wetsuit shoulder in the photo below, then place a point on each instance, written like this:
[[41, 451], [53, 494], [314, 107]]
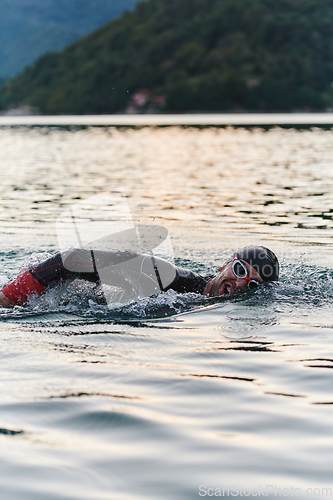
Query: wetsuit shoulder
[[186, 281]]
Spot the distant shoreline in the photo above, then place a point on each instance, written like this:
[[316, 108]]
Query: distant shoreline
[[204, 119]]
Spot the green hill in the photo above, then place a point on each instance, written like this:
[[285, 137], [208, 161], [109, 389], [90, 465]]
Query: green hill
[[203, 55], [29, 28]]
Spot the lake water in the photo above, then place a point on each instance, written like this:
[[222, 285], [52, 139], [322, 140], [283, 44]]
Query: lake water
[[174, 396]]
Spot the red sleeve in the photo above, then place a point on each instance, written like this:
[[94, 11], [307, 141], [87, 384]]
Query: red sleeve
[[18, 290]]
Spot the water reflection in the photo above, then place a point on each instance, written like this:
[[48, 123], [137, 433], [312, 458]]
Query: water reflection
[[245, 179], [210, 375], [10, 432]]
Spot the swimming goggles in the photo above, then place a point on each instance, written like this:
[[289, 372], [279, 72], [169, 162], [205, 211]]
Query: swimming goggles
[[240, 271]]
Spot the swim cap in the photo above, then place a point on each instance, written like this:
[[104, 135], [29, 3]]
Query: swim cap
[[263, 260]]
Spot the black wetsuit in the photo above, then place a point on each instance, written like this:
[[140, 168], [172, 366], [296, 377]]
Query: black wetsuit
[[135, 275], [118, 268]]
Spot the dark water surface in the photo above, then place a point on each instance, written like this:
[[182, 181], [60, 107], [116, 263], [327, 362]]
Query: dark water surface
[[169, 396]]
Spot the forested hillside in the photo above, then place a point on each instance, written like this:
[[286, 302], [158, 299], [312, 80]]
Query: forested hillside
[[202, 55], [29, 28]]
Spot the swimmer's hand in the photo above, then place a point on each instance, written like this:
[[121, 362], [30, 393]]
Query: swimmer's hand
[[4, 302]]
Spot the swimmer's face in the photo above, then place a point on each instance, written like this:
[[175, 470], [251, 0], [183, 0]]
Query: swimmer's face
[[226, 282]]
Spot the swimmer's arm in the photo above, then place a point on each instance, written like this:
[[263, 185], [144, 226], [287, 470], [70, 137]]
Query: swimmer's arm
[[81, 262], [17, 291], [35, 281], [4, 301]]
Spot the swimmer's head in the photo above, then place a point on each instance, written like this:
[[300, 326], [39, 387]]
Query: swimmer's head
[[249, 267], [262, 259]]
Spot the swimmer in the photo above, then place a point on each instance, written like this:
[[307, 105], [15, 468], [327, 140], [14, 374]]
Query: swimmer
[[246, 270]]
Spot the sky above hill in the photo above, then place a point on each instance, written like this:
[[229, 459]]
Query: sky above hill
[[29, 28]]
